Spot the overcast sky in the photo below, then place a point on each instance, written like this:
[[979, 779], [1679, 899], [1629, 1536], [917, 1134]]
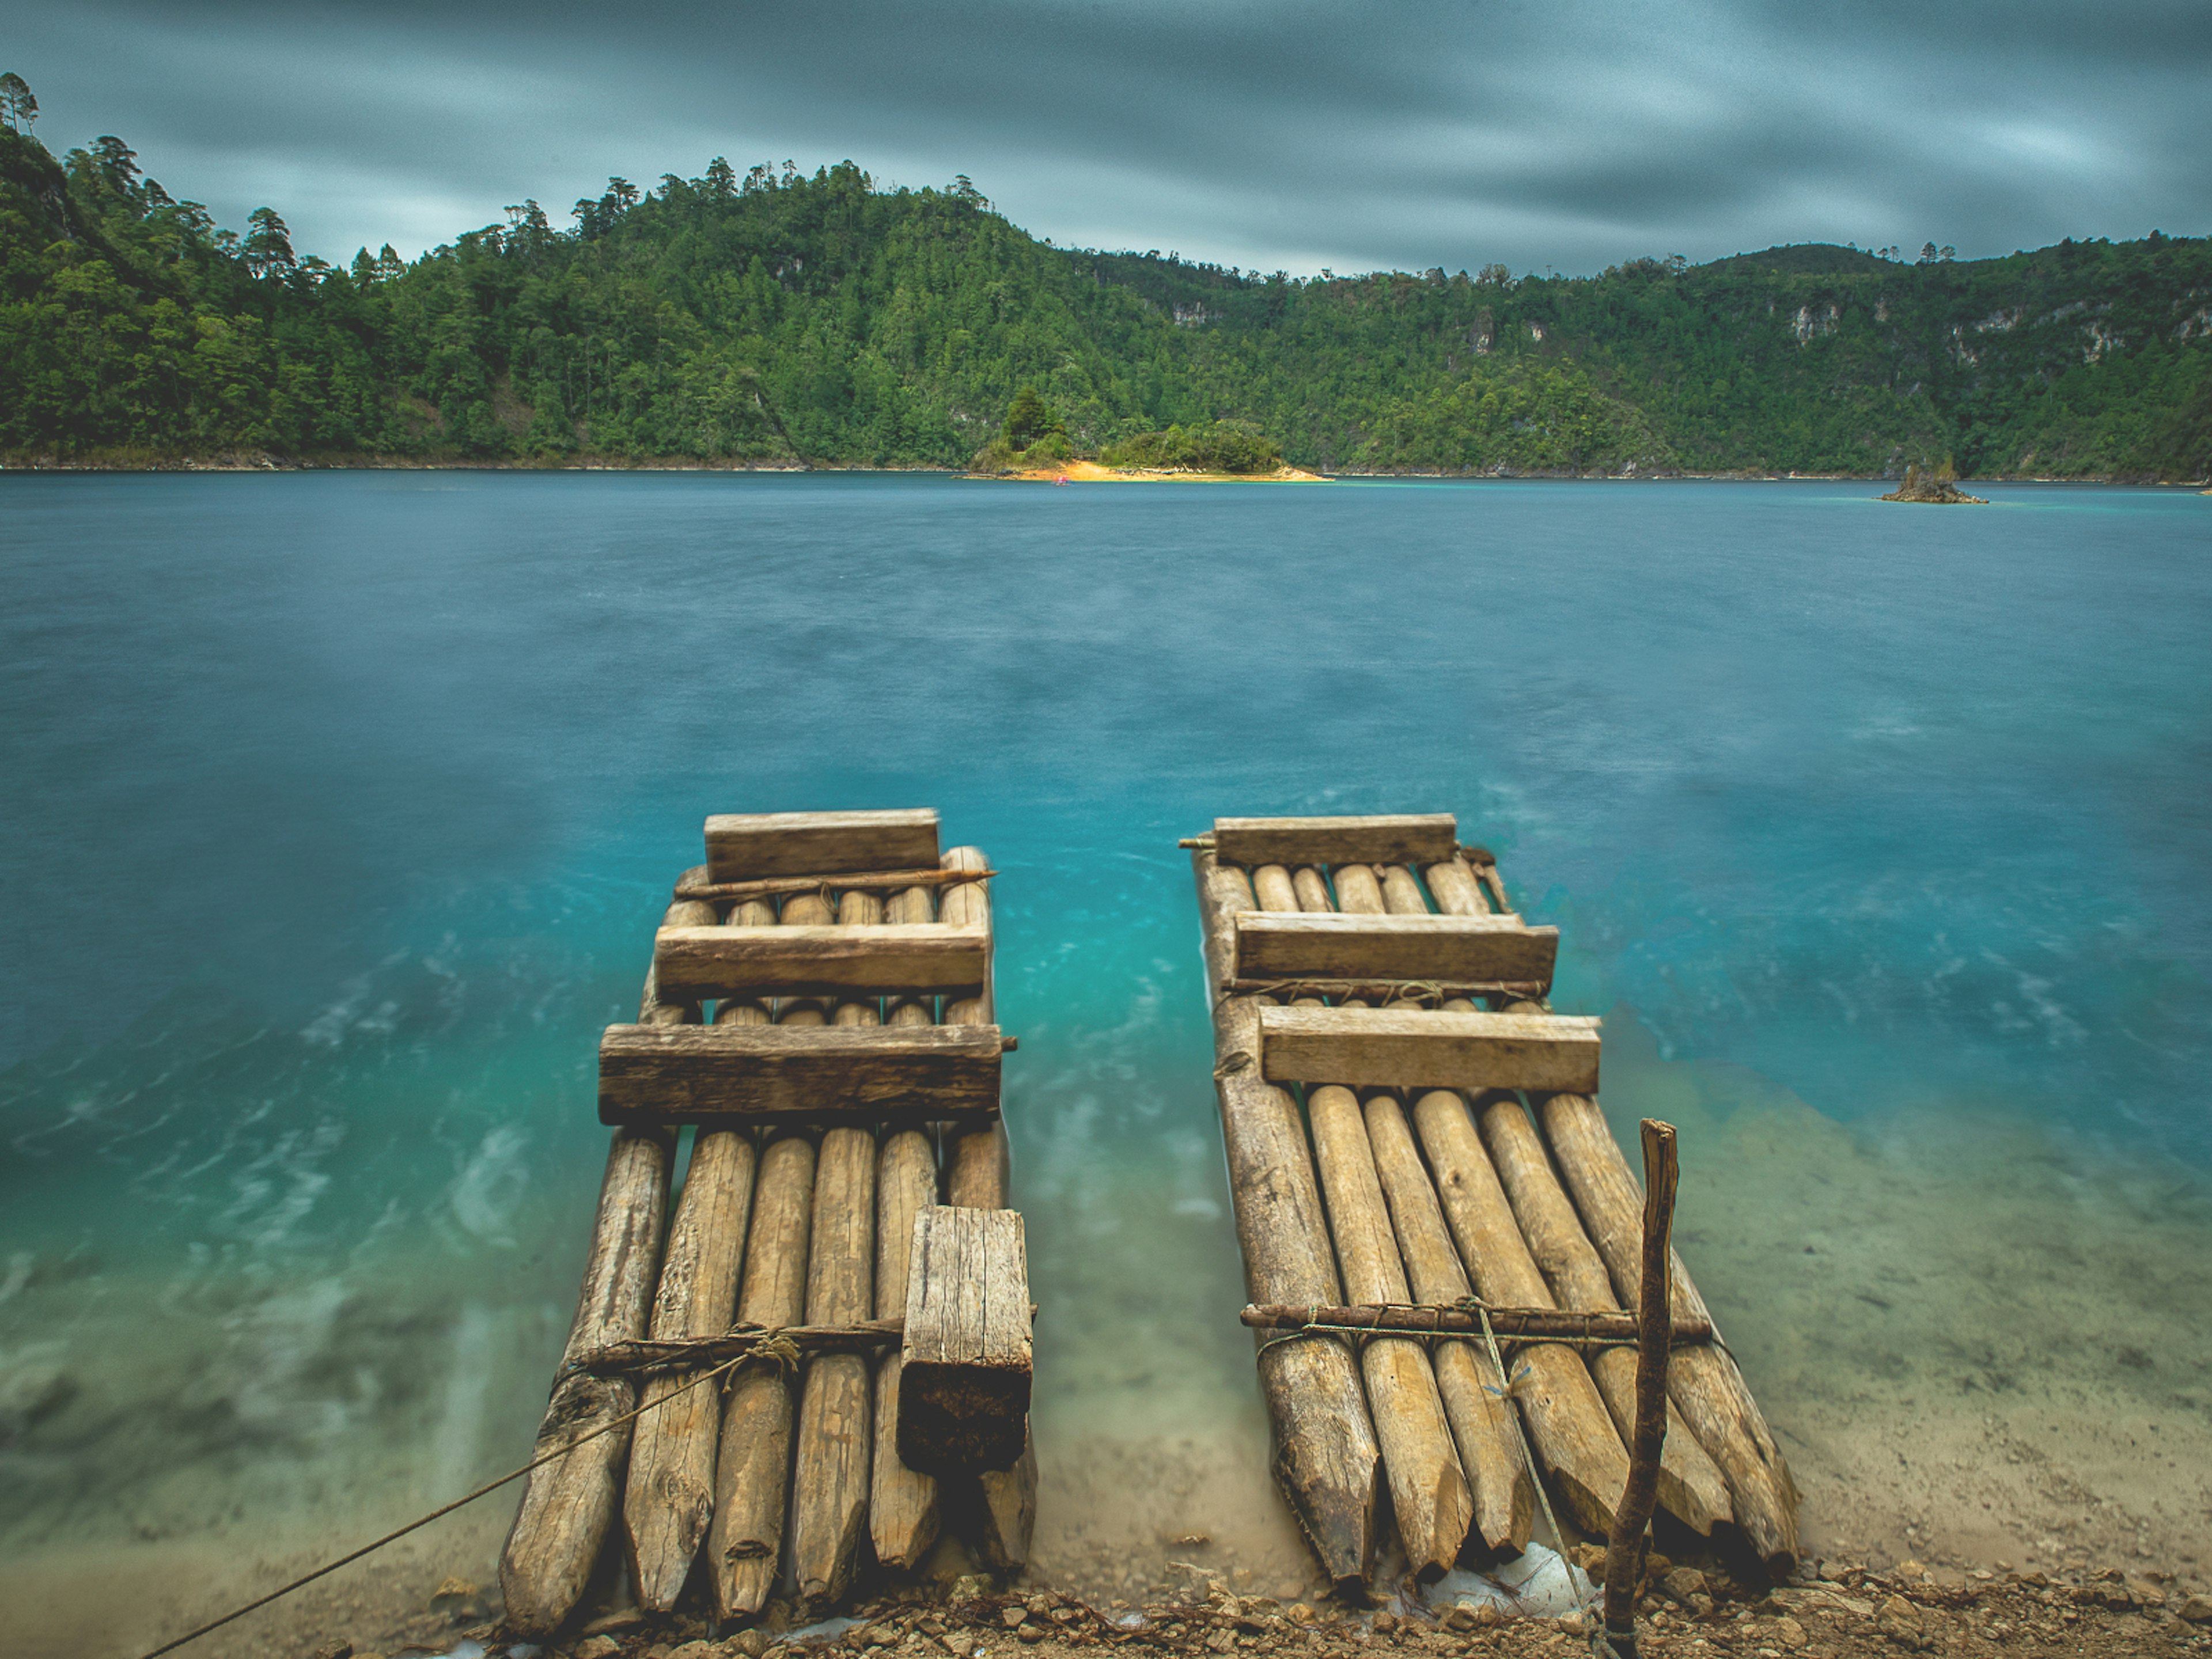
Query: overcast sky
[[1542, 133]]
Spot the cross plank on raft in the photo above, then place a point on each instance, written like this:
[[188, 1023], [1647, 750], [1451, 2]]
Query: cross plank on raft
[[743, 845], [1451, 949], [1404, 838], [913, 956], [965, 1376], [1394, 1048], [729, 1075]]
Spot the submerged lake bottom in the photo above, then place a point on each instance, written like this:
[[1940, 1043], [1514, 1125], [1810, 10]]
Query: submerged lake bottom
[[1876, 842]]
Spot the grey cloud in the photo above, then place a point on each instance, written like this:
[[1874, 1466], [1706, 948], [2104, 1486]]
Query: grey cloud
[[1569, 135]]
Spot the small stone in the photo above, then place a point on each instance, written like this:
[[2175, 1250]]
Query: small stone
[[2197, 1610], [696, 1651], [1030, 1633], [335, 1651], [627, 1618], [598, 1647], [751, 1643], [1385, 1622], [1683, 1583], [970, 1586], [1790, 1633], [1573, 1623], [1013, 1617], [1911, 1571], [1298, 1613]]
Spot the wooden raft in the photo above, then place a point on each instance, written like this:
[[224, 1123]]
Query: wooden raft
[[819, 1012], [1407, 1121]]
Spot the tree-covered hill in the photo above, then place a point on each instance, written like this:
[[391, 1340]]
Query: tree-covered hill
[[773, 318]]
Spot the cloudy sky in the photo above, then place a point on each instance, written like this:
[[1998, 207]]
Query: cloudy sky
[[1401, 134]]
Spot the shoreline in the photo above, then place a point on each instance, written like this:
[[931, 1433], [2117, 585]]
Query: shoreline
[[1075, 471]]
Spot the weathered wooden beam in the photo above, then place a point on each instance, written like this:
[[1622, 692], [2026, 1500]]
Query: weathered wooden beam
[[1450, 948], [743, 845], [1401, 838], [669, 1493], [567, 1504], [1326, 1460], [730, 1074], [964, 1365], [1394, 1048], [712, 961]]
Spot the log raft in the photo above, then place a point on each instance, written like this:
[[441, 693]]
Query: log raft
[[819, 1006], [1412, 1131]]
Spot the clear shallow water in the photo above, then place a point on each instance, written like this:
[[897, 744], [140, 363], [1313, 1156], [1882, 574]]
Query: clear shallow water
[[339, 809]]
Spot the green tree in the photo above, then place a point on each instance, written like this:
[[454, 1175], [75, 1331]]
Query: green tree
[[18, 108]]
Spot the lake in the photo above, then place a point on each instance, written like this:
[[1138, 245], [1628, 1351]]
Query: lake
[[339, 809]]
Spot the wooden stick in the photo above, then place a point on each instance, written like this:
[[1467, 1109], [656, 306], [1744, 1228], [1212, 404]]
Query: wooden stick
[[568, 1505], [1326, 1460], [1463, 1321], [754, 1472], [979, 1171], [1691, 1488], [902, 1503], [1430, 1495], [1567, 1423], [694, 885], [1384, 991], [1623, 1555], [830, 1484]]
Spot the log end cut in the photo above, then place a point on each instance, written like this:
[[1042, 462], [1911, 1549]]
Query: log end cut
[[966, 1368]]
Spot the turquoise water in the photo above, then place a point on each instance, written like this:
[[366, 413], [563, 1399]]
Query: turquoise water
[[339, 809]]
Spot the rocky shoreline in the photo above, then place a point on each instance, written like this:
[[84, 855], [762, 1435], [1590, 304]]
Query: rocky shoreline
[[1839, 1612]]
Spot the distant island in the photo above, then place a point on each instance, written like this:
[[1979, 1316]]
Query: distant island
[[1033, 444], [775, 319], [1935, 486]]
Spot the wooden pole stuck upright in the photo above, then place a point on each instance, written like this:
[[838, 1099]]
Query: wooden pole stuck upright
[[1623, 1555]]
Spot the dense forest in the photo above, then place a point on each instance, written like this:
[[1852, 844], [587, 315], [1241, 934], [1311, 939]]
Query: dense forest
[[772, 318]]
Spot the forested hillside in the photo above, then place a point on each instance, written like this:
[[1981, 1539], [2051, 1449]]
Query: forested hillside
[[776, 319]]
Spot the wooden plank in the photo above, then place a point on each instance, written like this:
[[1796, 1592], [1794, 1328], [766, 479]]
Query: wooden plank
[[741, 846], [965, 1362], [1394, 1048], [1326, 1460], [1403, 838], [726, 1074], [1451, 949], [711, 962]]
